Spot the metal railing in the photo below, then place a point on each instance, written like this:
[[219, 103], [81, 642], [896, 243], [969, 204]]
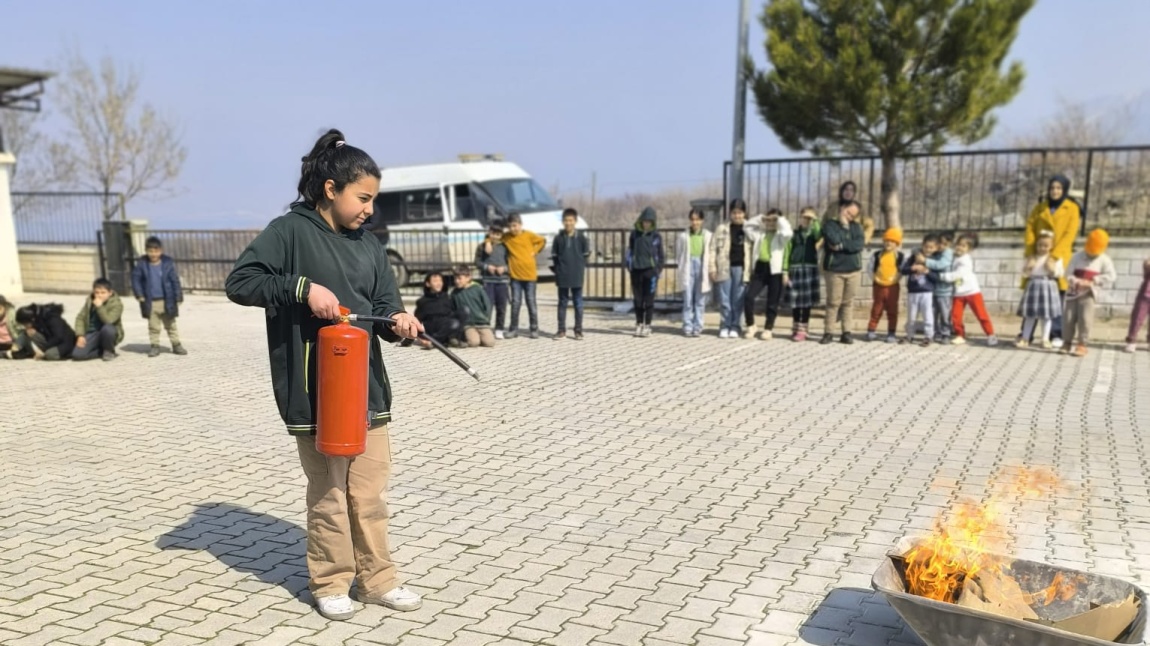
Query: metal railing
[[63, 218], [982, 190], [205, 257]]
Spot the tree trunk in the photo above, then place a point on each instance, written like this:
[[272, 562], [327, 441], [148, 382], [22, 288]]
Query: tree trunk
[[889, 198]]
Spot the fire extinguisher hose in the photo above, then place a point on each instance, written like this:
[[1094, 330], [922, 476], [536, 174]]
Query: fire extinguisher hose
[[438, 346]]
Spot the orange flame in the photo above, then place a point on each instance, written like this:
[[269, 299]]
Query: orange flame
[[1062, 588], [959, 547]]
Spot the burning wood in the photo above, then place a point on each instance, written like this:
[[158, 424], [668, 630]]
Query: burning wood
[[961, 563]]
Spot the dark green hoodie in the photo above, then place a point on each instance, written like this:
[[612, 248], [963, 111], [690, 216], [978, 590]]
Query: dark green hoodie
[[275, 273], [645, 248]]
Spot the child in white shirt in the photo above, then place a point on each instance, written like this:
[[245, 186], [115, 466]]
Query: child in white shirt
[[967, 291], [1090, 270]]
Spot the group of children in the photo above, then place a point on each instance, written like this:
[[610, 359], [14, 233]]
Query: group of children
[[505, 261], [39, 331], [746, 257], [941, 285]]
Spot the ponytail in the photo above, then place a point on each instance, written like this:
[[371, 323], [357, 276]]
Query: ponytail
[[331, 158]]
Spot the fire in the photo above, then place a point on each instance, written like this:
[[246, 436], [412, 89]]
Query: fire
[[955, 551], [1062, 588], [958, 548]]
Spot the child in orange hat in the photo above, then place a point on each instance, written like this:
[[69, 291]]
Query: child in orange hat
[[885, 289], [1090, 271]]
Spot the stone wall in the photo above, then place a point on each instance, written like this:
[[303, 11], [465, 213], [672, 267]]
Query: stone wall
[[998, 262], [59, 268]]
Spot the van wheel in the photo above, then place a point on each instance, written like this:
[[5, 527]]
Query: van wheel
[[397, 266]]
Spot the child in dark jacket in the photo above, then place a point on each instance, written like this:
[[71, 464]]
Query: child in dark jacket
[[46, 335], [920, 284], [569, 252], [156, 285], [472, 307], [436, 312], [645, 259], [491, 260], [886, 269]]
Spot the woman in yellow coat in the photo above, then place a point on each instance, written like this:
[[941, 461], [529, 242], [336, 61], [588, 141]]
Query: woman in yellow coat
[[1060, 215]]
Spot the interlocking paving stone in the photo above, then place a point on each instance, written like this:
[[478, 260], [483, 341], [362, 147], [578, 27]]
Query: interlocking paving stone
[[612, 491]]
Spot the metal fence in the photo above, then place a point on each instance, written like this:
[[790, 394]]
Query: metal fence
[[968, 190], [205, 257], [63, 218]]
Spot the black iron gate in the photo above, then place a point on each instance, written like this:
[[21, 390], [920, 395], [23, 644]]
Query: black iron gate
[[979, 190]]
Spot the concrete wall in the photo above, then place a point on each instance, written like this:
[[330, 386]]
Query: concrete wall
[[11, 284], [59, 268], [998, 262]]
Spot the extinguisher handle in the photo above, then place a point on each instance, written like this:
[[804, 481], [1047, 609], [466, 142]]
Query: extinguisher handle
[[422, 335]]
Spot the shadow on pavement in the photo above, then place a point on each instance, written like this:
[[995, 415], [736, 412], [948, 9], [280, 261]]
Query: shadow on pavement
[[246, 541], [858, 617]]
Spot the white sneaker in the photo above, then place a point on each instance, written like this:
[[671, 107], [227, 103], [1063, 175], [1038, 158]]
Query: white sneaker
[[766, 335], [638, 330], [400, 599], [992, 340], [1131, 348], [336, 607], [724, 333], [499, 334], [646, 330], [958, 340], [750, 332], [1057, 344]]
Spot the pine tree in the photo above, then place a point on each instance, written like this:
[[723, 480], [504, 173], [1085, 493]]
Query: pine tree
[[886, 77]]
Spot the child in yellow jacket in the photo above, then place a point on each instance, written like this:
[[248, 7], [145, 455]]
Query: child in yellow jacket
[[522, 247]]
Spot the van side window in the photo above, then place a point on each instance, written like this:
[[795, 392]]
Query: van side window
[[423, 205], [388, 209], [465, 207]]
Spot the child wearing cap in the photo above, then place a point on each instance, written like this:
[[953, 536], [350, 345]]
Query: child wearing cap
[[885, 289], [803, 273], [1090, 271]]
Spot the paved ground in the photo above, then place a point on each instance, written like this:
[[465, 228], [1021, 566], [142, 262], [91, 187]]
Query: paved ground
[[615, 491]]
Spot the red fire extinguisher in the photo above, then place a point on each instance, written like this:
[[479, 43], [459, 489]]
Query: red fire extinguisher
[[341, 398]]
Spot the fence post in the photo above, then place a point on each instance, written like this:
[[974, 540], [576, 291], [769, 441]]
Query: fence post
[[870, 197], [1086, 190], [117, 247], [100, 250]]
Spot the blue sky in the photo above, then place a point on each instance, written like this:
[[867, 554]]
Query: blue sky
[[640, 91]]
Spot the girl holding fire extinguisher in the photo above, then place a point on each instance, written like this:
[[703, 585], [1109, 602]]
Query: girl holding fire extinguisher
[[301, 269]]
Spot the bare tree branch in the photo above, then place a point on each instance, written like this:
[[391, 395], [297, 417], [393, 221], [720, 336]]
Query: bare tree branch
[[113, 145]]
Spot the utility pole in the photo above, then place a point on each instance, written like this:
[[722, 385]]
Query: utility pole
[[739, 147], [592, 212]]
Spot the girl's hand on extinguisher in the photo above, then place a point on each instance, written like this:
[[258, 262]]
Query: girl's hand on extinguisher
[[323, 303], [407, 326]]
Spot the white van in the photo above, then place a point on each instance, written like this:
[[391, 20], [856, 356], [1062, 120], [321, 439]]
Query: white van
[[433, 217]]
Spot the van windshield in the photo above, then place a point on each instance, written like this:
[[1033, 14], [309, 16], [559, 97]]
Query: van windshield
[[523, 195]]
